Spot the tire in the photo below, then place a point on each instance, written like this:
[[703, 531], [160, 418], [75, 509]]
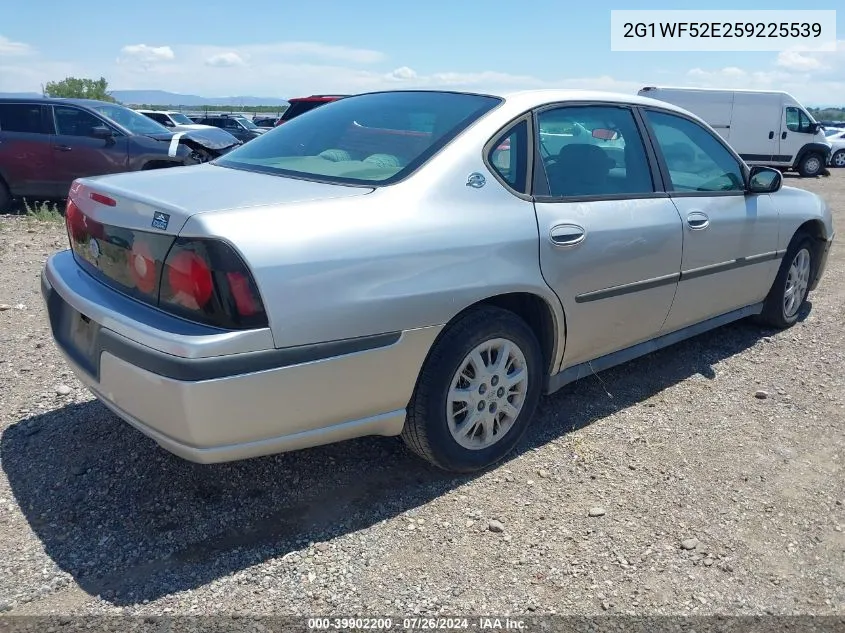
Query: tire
[[838, 159], [434, 418], [811, 165], [5, 198], [777, 312]]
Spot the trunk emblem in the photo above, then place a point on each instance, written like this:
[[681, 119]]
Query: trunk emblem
[[94, 248], [160, 220]]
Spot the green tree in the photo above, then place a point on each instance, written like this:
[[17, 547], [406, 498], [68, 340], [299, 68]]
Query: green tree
[[79, 88]]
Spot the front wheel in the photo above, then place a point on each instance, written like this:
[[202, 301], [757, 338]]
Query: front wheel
[[838, 159], [811, 165], [791, 287], [477, 391]]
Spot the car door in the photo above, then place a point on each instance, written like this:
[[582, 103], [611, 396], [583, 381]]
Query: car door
[[78, 153], [730, 236], [796, 131], [610, 239], [26, 157]]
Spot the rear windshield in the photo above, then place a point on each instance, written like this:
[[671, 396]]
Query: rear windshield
[[366, 139], [298, 107]]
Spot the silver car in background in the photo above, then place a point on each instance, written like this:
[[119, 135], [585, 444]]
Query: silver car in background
[[418, 263]]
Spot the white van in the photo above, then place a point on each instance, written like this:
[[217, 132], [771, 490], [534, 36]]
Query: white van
[[764, 127]]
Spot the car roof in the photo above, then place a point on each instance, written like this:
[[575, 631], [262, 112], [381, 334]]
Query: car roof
[[529, 99], [81, 102]]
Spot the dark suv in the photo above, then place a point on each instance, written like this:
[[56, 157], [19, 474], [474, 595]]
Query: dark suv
[[235, 124], [47, 143], [301, 105]]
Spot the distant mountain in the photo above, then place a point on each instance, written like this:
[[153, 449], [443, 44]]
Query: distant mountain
[[162, 97]]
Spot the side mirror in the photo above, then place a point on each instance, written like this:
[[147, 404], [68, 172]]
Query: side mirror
[[764, 180], [168, 123], [101, 131]]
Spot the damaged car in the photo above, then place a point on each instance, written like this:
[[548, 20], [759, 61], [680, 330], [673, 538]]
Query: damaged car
[[45, 144]]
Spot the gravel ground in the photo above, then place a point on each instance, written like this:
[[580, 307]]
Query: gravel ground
[[666, 486]]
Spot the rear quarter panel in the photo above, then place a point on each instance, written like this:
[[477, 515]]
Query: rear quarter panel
[[406, 256]]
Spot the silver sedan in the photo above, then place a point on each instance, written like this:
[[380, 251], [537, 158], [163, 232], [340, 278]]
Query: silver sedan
[[418, 263]]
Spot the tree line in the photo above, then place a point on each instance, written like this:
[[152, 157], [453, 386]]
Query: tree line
[[84, 88]]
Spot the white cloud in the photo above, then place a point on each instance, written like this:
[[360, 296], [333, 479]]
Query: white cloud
[[10, 48], [403, 73], [146, 54], [796, 61], [225, 60], [287, 69]]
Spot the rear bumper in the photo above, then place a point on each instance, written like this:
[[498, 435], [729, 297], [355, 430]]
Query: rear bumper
[[235, 405]]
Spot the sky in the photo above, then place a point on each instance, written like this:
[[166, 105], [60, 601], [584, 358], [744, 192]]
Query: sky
[[284, 49]]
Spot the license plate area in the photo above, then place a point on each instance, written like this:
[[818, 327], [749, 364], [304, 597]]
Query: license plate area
[[78, 335]]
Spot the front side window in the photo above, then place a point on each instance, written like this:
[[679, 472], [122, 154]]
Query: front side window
[[180, 119], [133, 121], [696, 160], [75, 122], [593, 151], [365, 139], [21, 117], [797, 120], [508, 156]]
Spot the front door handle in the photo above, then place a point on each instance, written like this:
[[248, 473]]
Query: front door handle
[[783, 135], [62, 148], [698, 221], [567, 235], [771, 135]]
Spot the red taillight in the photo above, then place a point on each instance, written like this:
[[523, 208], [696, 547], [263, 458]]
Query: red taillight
[[205, 280], [245, 302], [190, 280], [142, 267], [75, 222]]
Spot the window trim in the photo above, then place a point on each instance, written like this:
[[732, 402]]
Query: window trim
[[503, 132], [115, 130], [664, 168], [541, 183]]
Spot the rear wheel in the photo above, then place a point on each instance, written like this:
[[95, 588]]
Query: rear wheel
[[810, 165], [477, 391], [791, 287], [838, 159]]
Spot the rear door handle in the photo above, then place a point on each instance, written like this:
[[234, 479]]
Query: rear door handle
[[62, 148], [771, 135], [567, 235], [698, 221]]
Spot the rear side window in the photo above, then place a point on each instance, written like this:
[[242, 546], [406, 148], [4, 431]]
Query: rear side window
[[509, 157], [21, 117], [593, 150], [365, 139], [299, 107], [155, 116]]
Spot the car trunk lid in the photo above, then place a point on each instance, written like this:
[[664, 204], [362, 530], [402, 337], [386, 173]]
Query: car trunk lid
[[162, 200]]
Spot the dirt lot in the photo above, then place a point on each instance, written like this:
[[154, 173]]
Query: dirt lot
[[714, 500]]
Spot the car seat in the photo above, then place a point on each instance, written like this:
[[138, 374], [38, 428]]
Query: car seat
[[580, 170]]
